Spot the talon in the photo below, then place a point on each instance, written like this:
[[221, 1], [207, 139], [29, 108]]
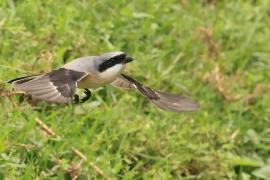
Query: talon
[[76, 99], [87, 92]]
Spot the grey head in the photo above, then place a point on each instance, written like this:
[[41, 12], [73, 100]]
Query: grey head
[[108, 60]]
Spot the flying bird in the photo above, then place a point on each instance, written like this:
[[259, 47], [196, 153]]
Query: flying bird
[[59, 86]]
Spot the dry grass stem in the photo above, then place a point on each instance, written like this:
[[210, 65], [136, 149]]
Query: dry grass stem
[[46, 129], [217, 80]]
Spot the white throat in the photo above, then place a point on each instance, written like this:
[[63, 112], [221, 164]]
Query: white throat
[[112, 73]]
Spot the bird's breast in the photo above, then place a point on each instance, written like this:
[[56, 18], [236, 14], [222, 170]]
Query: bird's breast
[[91, 81], [101, 79]]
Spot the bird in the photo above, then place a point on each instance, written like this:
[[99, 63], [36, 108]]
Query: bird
[[59, 86]]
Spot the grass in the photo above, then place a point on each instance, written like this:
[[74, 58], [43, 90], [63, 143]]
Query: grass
[[218, 53]]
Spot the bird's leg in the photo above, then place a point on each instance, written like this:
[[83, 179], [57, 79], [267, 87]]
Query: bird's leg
[[76, 99], [87, 92]]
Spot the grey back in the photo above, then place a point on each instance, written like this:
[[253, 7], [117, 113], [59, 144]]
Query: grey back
[[90, 64]]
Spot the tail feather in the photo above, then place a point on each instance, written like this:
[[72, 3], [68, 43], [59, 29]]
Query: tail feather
[[58, 86], [23, 79]]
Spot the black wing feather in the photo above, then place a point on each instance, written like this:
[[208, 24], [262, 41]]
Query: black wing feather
[[166, 101]]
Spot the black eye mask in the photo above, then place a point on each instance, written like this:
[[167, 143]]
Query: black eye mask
[[111, 62]]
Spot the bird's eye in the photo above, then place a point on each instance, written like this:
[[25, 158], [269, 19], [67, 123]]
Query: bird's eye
[[112, 61]]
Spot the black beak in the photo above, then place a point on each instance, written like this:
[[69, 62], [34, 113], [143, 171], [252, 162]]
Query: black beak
[[128, 59]]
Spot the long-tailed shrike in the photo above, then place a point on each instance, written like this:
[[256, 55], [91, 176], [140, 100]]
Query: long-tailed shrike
[[59, 86]]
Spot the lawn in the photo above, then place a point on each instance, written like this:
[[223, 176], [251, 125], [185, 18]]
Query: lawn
[[217, 52]]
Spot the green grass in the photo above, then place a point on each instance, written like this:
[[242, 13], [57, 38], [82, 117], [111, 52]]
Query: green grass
[[175, 45]]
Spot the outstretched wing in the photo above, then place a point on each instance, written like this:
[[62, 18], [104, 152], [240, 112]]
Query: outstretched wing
[[58, 86], [169, 102], [122, 83]]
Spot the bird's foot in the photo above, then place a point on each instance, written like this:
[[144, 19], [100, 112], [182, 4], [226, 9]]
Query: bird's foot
[[87, 93], [76, 99]]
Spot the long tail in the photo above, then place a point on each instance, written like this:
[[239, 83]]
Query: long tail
[[54, 87], [23, 79]]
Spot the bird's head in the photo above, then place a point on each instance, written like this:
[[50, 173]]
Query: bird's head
[[112, 60]]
